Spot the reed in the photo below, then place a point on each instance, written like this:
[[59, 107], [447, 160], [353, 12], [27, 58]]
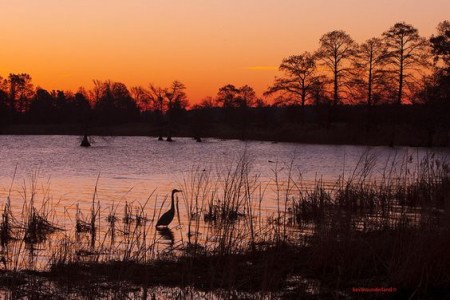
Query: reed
[[361, 230], [6, 226]]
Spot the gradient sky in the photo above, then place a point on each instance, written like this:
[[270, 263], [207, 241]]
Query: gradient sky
[[65, 44]]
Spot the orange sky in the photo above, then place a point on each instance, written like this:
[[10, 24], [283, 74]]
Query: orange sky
[[65, 44]]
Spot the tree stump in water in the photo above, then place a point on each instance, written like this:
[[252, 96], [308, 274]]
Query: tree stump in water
[[85, 141]]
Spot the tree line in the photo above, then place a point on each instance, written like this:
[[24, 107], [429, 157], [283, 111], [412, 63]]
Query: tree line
[[398, 67]]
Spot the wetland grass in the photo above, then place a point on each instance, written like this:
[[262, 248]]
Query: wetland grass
[[360, 231]]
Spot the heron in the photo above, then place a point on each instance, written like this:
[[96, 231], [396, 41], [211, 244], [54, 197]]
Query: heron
[[167, 217]]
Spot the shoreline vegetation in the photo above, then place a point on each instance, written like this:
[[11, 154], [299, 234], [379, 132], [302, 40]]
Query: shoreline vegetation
[[387, 232], [393, 89]]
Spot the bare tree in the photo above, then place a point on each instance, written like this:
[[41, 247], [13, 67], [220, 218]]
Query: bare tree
[[441, 46], [207, 102], [176, 99], [369, 70], [5, 111], [3, 85], [261, 103], [177, 96], [157, 96], [336, 50], [246, 97], [407, 53], [299, 82], [20, 91], [227, 96], [142, 98], [97, 91], [113, 102]]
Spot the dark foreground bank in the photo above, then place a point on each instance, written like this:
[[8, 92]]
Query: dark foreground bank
[[404, 263]]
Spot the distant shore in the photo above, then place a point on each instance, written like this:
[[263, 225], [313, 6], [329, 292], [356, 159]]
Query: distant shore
[[336, 134]]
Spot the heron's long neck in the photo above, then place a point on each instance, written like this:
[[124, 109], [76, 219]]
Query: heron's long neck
[[172, 207]]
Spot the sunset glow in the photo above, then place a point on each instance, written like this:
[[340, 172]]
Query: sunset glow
[[203, 43]]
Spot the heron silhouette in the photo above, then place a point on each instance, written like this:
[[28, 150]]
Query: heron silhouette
[[167, 217]]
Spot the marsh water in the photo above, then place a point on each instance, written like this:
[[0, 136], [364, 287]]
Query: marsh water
[[60, 176], [130, 169]]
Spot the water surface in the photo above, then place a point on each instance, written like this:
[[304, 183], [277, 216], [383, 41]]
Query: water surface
[[130, 168]]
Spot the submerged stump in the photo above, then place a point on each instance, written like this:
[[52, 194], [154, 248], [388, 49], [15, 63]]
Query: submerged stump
[[85, 141]]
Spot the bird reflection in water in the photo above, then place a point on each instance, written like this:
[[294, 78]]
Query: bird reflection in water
[[167, 235]]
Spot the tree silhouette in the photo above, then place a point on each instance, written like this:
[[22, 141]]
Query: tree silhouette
[[114, 102], [369, 70], [207, 102], [246, 97], [299, 82], [142, 98], [82, 106], [227, 96], [4, 101], [177, 100], [3, 84], [336, 49], [436, 92], [177, 96], [441, 45], [261, 103], [158, 99], [20, 92], [407, 54], [42, 107]]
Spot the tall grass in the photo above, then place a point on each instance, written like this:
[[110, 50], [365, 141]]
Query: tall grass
[[371, 226]]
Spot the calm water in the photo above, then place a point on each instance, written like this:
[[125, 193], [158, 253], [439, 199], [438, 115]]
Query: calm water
[[130, 168]]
